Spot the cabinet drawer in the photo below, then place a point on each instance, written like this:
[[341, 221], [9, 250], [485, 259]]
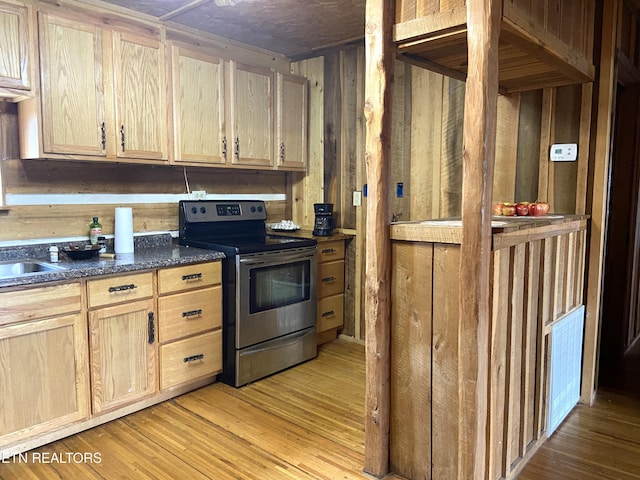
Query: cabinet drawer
[[39, 302], [178, 279], [190, 359], [330, 312], [122, 288], [185, 314], [330, 278], [330, 251]]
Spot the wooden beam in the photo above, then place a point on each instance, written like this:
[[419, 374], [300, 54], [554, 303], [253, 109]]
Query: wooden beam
[[481, 97], [380, 56], [600, 199]]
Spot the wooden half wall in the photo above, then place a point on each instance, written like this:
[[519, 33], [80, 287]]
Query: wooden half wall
[[537, 277]]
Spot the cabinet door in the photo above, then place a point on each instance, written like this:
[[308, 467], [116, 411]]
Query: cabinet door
[[123, 354], [198, 107], [73, 102], [44, 378], [14, 50], [140, 97], [291, 123], [251, 112]]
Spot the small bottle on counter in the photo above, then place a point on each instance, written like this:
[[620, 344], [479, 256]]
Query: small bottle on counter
[[102, 241], [53, 254], [95, 230]]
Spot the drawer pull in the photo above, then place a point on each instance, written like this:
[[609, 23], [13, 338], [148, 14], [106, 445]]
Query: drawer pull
[[194, 358], [191, 276], [329, 250], [330, 313], [152, 329], [192, 313], [329, 279], [122, 288]]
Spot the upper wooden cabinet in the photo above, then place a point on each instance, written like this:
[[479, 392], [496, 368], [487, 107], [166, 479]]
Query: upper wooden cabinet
[[141, 97], [15, 66], [103, 94], [542, 43], [123, 90], [73, 88], [198, 107], [291, 122], [251, 90]]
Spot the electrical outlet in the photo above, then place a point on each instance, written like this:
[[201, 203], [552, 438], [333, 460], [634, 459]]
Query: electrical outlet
[[199, 194]]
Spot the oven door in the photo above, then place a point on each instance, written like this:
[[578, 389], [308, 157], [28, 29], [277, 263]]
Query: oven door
[[276, 294]]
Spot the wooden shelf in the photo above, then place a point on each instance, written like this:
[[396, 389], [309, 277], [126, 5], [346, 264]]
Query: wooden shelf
[[534, 52]]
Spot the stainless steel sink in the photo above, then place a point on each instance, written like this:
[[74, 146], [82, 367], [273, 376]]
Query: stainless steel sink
[[17, 268]]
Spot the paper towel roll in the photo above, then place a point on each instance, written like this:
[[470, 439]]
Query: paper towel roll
[[123, 239]]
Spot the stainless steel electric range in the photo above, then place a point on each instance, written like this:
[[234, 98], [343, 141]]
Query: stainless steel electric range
[[269, 285]]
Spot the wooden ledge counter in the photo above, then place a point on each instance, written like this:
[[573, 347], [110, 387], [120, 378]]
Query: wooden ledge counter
[[536, 279], [506, 230]]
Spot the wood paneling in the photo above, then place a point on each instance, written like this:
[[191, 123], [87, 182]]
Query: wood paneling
[[411, 363], [535, 280], [59, 177]]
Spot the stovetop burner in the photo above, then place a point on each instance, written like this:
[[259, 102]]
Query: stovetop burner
[[232, 227]]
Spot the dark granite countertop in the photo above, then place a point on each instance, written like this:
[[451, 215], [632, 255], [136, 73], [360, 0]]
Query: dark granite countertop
[[147, 255]]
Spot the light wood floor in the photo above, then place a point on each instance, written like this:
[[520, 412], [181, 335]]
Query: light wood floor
[[304, 423], [307, 423]]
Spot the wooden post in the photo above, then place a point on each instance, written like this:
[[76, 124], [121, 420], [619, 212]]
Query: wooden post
[[600, 198], [479, 136], [380, 56]]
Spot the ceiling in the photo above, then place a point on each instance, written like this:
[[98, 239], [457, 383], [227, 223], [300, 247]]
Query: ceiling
[[293, 28]]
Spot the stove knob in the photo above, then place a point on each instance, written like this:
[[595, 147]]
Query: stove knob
[[253, 209], [260, 209], [203, 210], [194, 210]]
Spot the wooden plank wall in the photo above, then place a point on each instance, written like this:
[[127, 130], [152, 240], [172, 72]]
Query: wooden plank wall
[[69, 177], [533, 284], [426, 149]]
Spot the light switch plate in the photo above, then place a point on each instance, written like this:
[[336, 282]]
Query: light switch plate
[[357, 198], [199, 195], [564, 152]]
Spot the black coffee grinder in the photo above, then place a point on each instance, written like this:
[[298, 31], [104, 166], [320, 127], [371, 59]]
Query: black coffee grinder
[[323, 226]]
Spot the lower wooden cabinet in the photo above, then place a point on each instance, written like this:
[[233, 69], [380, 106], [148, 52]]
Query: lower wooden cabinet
[[77, 354], [330, 317], [190, 358], [123, 354], [44, 379], [190, 323]]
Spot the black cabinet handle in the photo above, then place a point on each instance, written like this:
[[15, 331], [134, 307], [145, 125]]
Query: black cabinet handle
[[329, 250], [194, 358], [152, 328], [330, 313], [122, 136], [122, 288], [191, 276], [224, 147], [237, 149], [328, 279], [192, 313], [103, 136]]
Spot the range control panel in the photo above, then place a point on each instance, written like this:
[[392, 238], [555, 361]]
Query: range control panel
[[199, 211]]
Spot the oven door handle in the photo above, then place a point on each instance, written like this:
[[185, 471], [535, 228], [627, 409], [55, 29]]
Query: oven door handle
[[277, 259]]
